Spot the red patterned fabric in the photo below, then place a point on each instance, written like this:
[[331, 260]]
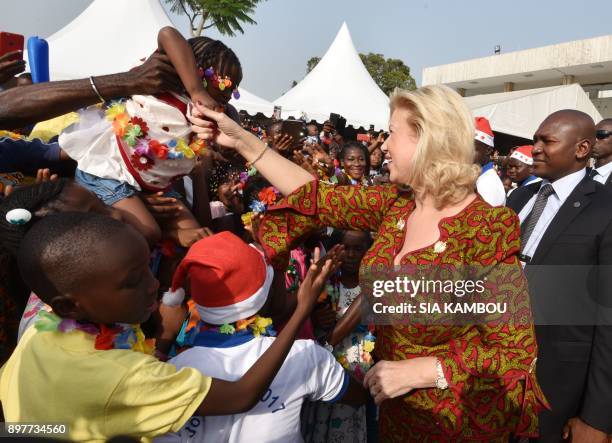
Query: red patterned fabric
[[490, 368]]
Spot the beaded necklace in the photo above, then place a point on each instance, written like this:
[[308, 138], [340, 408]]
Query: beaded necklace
[[357, 357]]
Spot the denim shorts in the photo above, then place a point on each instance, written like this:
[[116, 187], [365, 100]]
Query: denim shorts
[[108, 190], [111, 191]]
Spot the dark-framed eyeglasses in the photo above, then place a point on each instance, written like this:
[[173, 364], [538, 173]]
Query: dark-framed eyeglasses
[[602, 134]]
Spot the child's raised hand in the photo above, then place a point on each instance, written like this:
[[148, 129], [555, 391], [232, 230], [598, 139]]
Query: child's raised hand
[[9, 68], [299, 159], [218, 127], [187, 237], [44, 175], [161, 207], [282, 142], [317, 275], [168, 321]]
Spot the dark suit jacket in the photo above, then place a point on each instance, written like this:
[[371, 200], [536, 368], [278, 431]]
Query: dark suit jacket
[[608, 180], [566, 281]]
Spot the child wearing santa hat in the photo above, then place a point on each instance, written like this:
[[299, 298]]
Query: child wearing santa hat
[[520, 167], [488, 184], [229, 283]]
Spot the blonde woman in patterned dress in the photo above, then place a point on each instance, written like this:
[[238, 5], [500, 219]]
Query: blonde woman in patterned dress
[[434, 383]]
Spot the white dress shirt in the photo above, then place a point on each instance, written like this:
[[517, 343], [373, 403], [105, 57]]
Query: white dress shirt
[[563, 188], [491, 188], [603, 172]]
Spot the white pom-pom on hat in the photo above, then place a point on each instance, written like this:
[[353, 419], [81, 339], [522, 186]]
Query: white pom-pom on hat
[[173, 298]]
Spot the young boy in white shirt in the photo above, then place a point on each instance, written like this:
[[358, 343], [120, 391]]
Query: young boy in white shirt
[[230, 282]]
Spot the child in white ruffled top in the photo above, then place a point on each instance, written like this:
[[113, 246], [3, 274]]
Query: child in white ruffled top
[[144, 143]]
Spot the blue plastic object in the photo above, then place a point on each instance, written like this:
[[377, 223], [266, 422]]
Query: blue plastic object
[[38, 58]]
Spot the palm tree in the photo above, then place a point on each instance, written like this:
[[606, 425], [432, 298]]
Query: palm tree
[[225, 15]]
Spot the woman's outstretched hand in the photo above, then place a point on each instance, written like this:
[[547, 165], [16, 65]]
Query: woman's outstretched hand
[[217, 127]]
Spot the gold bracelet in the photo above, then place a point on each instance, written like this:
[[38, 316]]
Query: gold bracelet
[[250, 164]]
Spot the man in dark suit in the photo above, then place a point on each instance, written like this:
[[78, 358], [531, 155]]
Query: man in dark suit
[[602, 152], [566, 237]]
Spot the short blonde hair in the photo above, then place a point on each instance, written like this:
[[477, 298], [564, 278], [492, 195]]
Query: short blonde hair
[[443, 164]]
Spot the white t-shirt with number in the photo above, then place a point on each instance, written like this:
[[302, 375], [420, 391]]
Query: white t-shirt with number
[[309, 372]]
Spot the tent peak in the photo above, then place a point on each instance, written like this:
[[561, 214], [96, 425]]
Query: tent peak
[[339, 84]]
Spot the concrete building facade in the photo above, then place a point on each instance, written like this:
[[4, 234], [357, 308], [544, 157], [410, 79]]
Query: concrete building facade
[[586, 62]]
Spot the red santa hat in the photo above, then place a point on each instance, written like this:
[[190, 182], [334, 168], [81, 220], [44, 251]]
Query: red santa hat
[[483, 132], [229, 279], [523, 154]]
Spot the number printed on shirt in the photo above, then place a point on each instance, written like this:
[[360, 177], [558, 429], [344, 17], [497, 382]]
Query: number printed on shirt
[[193, 423], [271, 401]]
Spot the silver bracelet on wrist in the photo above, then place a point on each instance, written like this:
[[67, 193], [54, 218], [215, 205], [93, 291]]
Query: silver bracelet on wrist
[[93, 86]]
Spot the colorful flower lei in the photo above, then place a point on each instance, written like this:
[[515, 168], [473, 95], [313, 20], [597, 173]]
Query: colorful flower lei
[[245, 175], [11, 135], [222, 83], [256, 325], [134, 132], [357, 358], [266, 197], [117, 336]]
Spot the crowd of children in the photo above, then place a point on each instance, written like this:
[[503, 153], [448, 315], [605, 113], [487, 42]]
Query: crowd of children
[[123, 313]]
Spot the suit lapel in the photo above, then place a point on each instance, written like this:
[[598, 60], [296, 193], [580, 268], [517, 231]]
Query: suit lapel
[[523, 195], [577, 201]]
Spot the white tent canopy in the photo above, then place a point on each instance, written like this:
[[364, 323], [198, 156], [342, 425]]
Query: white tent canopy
[[114, 36], [108, 37], [339, 84], [252, 103], [519, 113]]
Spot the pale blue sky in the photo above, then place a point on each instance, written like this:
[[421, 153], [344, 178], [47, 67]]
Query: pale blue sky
[[420, 32]]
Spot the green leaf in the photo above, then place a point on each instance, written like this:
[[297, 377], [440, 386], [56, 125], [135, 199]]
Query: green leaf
[[227, 16]]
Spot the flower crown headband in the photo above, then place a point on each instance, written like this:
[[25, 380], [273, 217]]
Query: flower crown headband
[[223, 83]]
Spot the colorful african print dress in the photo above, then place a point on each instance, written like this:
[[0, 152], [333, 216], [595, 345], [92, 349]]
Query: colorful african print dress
[[490, 367]]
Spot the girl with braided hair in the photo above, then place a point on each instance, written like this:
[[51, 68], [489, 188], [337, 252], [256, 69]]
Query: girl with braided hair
[[143, 144]]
